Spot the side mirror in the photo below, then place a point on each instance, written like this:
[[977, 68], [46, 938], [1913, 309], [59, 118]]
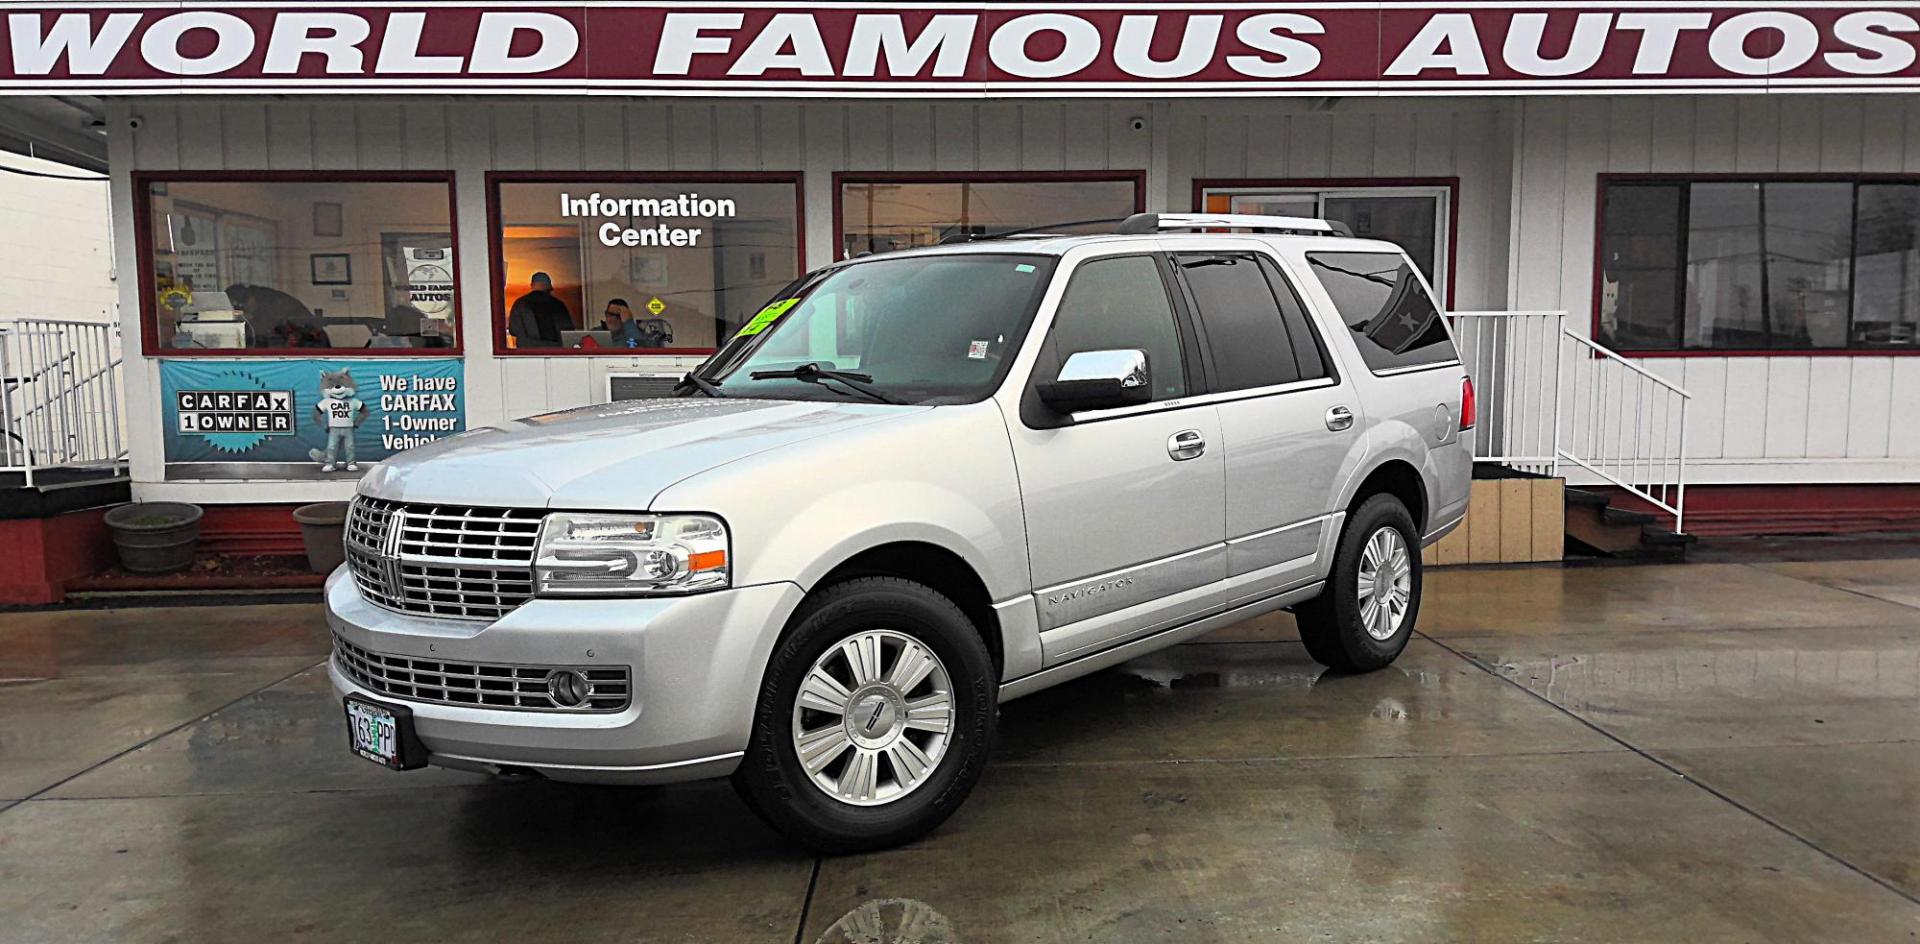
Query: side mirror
[[1099, 380]]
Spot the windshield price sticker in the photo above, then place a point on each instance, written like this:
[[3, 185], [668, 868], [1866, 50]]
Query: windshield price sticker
[[767, 316]]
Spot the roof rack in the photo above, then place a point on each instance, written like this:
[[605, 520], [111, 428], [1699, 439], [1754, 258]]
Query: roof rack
[[1041, 230], [1148, 223]]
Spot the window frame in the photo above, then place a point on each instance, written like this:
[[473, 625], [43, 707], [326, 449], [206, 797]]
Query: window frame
[[1447, 188], [1686, 180], [1199, 371], [142, 182], [1138, 178], [496, 250], [1268, 273]]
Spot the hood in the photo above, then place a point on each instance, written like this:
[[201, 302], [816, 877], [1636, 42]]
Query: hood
[[612, 457]]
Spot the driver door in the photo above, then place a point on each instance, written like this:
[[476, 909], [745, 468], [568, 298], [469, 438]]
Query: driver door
[[1125, 508]]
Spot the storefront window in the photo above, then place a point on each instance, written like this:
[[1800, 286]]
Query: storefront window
[[274, 262], [1757, 265], [1414, 216], [614, 264], [879, 213]]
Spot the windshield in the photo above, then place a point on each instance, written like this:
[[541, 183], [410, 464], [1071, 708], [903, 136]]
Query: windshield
[[926, 329]]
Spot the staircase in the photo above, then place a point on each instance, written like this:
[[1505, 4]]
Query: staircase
[[60, 423], [1555, 403]]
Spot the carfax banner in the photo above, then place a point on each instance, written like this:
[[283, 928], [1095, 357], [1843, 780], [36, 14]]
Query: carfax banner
[[309, 418], [881, 48]]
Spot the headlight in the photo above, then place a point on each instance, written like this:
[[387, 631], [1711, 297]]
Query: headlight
[[615, 555]]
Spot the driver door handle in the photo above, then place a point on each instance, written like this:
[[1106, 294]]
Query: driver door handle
[[1186, 444], [1339, 418]]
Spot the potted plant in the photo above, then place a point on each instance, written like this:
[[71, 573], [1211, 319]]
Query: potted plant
[[323, 527], [155, 537]]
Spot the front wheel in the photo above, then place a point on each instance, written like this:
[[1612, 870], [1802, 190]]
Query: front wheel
[[1364, 617], [874, 719]]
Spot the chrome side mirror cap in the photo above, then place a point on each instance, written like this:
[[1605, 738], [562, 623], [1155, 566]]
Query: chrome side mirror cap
[[1099, 380]]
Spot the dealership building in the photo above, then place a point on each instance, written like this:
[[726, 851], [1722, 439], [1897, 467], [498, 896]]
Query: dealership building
[[1725, 196]]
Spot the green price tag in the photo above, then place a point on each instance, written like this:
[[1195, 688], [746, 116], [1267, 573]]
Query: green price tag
[[767, 316]]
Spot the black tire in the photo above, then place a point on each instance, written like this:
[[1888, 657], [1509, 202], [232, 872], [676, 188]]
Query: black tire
[[1330, 624], [771, 779]]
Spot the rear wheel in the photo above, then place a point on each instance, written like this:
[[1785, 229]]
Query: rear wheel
[[1364, 617], [874, 719]]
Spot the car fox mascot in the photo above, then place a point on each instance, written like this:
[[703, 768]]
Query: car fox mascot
[[341, 412]]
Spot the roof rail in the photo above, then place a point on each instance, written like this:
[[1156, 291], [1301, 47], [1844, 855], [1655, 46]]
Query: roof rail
[[1148, 223]]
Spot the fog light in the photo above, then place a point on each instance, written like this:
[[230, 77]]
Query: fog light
[[567, 688]]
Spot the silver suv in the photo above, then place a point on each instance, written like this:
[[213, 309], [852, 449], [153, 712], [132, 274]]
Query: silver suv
[[915, 485]]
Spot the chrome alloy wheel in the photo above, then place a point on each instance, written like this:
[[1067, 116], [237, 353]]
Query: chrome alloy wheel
[[874, 716], [1386, 583]]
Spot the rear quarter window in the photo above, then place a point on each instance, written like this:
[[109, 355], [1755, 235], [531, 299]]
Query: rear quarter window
[[1392, 319]]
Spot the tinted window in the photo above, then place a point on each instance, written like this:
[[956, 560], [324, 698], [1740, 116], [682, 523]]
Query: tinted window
[[1393, 320], [1308, 353], [1250, 343], [1755, 265], [1122, 304]]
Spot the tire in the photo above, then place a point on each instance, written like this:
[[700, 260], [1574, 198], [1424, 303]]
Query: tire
[[844, 632], [1333, 625]]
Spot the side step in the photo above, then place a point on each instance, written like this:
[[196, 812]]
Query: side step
[[1595, 526]]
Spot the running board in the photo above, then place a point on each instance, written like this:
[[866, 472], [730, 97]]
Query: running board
[[1047, 678]]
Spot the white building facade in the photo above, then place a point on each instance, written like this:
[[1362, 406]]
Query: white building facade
[[1744, 223]]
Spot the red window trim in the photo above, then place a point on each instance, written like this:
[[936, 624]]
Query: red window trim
[[1138, 178], [1602, 181], [143, 181], [1452, 184], [496, 256]]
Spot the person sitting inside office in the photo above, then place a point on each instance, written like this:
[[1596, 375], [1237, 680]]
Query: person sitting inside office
[[537, 318], [276, 319], [620, 327]]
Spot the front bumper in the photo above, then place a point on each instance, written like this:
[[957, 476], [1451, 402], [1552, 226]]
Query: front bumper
[[697, 663]]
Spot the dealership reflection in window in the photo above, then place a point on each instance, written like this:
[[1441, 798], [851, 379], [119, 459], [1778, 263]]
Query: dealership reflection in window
[[272, 263], [888, 212], [631, 265]]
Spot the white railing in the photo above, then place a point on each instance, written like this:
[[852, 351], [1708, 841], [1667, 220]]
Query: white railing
[[60, 397], [1514, 360], [1549, 396]]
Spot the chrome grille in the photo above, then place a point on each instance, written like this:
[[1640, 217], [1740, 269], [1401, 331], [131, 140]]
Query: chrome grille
[[510, 687], [442, 560]]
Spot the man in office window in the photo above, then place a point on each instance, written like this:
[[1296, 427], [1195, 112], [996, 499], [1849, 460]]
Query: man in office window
[[537, 318], [618, 322]]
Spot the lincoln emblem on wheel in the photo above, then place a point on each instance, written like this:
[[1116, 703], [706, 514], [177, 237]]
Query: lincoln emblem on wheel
[[913, 486]]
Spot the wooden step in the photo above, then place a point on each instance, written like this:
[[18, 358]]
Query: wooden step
[[1595, 525]]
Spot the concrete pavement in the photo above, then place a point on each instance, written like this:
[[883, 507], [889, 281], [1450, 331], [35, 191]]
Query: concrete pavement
[[1700, 753]]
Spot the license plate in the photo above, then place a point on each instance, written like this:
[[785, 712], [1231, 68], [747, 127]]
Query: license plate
[[377, 733]]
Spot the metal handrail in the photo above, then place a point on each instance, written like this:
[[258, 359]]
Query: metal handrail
[[59, 397], [1549, 396]]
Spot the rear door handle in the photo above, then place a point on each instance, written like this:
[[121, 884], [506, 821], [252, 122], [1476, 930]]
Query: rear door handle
[[1186, 444], [1339, 418]]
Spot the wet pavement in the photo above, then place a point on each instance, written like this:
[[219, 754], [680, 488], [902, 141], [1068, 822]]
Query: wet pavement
[[1699, 753]]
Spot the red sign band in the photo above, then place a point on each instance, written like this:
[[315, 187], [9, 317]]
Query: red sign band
[[953, 49]]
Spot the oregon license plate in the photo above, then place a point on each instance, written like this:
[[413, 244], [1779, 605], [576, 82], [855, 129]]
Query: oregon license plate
[[377, 733]]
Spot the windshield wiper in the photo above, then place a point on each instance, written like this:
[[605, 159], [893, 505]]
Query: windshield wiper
[[693, 382], [814, 373]]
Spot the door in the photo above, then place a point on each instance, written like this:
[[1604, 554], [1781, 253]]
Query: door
[[1290, 428], [1125, 508]]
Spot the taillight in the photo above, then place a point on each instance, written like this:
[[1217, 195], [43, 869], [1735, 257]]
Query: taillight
[[1467, 408]]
